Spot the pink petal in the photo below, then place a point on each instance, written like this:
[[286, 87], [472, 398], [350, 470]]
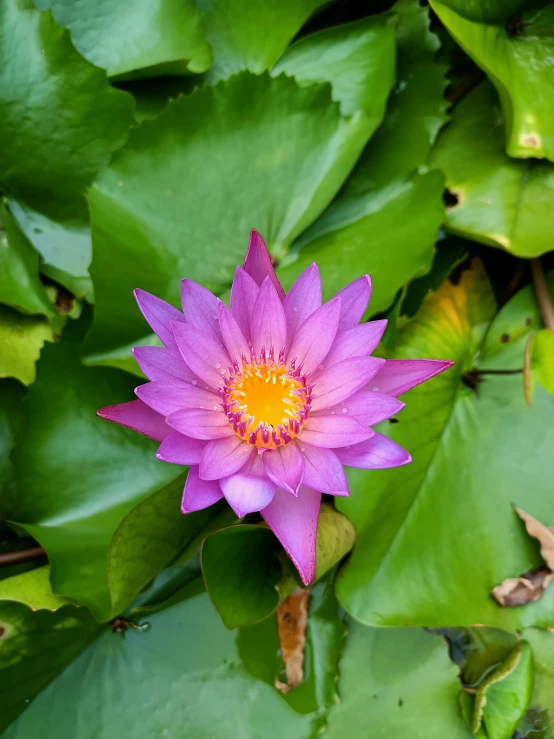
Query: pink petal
[[234, 341], [199, 494], [168, 397], [324, 471], [342, 380], [250, 489], [158, 363], [302, 299], [137, 416], [159, 316], [397, 376], [224, 457], [369, 408], [377, 453], [200, 424], [315, 337], [354, 301], [205, 357], [200, 308], [258, 263], [358, 341], [243, 296], [179, 449], [268, 325], [285, 466], [294, 523], [332, 432]]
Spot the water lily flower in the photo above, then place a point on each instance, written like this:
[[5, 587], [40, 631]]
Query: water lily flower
[[269, 399]]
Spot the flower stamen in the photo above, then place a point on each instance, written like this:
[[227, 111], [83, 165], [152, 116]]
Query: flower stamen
[[266, 402]]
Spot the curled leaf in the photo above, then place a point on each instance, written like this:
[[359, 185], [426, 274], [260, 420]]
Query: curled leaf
[[292, 617], [517, 591]]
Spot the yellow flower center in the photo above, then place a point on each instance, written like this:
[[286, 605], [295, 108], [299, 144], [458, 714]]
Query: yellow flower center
[[266, 403]]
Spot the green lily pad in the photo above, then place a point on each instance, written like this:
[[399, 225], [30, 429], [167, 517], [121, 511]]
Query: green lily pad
[[34, 648], [183, 675], [274, 170], [474, 455], [20, 285], [395, 683], [12, 418], [80, 478], [517, 58], [61, 120], [244, 36], [22, 338], [501, 202], [385, 219], [122, 38]]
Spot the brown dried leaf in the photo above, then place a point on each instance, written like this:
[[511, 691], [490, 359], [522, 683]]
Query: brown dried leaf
[[292, 618], [544, 534], [517, 591]]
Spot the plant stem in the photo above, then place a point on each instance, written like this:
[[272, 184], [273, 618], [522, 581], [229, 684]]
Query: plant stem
[[499, 372], [543, 296], [24, 555]]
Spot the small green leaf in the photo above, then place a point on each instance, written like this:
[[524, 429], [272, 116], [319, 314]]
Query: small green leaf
[[335, 538], [541, 358], [243, 573], [20, 285], [64, 245], [34, 590], [22, 338]]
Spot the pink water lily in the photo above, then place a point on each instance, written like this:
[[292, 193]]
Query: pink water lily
[[267, 400]]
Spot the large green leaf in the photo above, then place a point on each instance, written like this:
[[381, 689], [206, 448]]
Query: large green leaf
[[64, 246], [21, 338], [357, 58], [518, 60], [395, 683], [123, 37], [180, 198], [80, 477], [34, 648], [60, 118], [385, 219], [184, 676], [501, 202], [443, 529], [20, 285], [246, 35]]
